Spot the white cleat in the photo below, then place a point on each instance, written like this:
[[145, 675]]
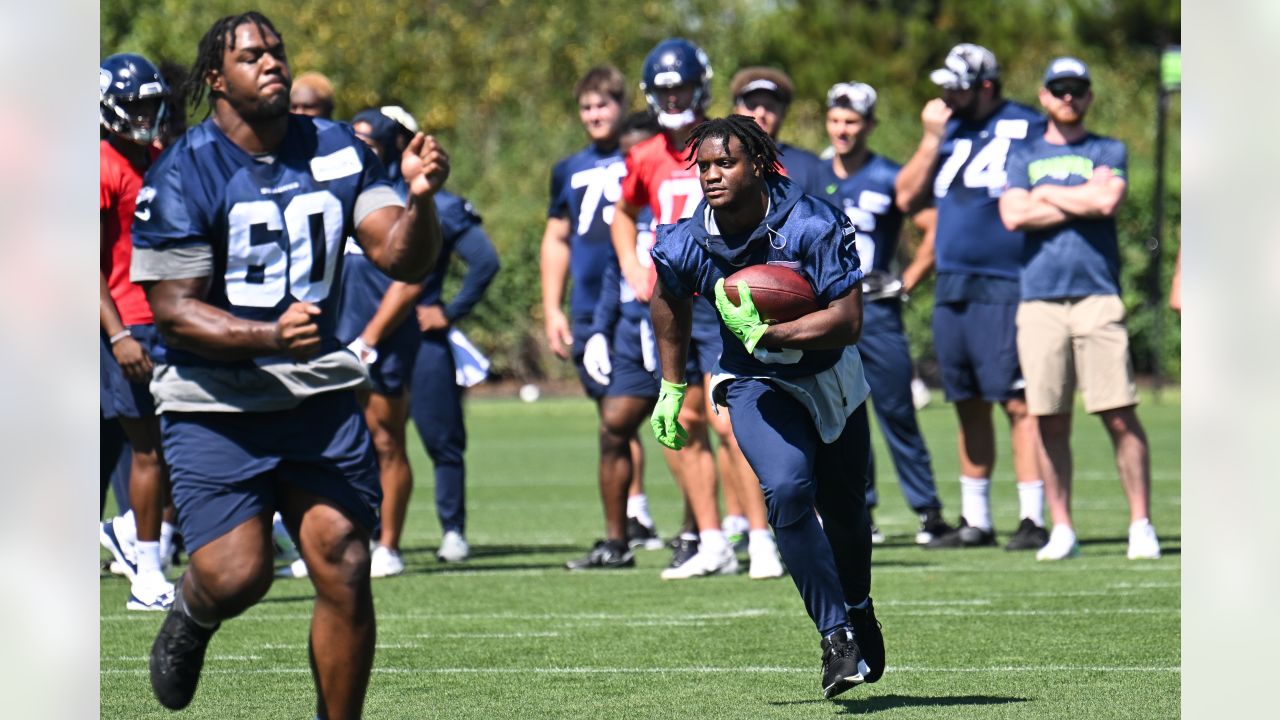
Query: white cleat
[[295, 569], [705, 562], [150, 596], [453, 548], [385, 562], [1143, 544], [118, 536], [1062, 545], [765, 564]]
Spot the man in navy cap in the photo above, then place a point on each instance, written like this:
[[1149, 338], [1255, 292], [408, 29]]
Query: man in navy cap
[[1065, 187]]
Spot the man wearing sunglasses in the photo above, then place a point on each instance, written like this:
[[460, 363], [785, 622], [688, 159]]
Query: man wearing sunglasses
[[765, 94], [1065, 188]]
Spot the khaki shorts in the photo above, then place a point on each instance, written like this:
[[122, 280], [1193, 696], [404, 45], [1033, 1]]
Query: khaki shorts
[[1084, 340]]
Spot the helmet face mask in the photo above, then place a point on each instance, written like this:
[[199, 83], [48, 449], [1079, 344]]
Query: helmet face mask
[[672, 63], [132, 97]]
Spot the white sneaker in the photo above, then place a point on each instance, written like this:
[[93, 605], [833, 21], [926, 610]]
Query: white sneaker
[[765, 563], [1143, 544], [118, 536], [453, 548], [385, 562], [151, 595], [705, 562], [1062, 545], [295, 569]]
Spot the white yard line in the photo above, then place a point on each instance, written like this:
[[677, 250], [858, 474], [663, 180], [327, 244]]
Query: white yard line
[[695, 670]]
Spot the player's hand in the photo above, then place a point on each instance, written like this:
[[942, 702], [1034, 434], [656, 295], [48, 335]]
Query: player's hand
[[638, 278], [133, 359], [666, 427], [425, 165], [742, 320], [1101, 174], [559, 337], [595, 358], [431, 318], [367, 354], [296, 331], [934, 117]]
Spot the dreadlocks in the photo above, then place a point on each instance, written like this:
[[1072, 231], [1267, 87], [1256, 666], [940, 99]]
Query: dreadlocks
[[213, 46], [756, 142]]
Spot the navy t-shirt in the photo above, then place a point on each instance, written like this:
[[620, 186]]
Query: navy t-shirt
[[867, 197], [801, 165], [584, 188], [1081, 256]]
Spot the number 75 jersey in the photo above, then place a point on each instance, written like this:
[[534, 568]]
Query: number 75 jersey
[[967, 188], [267, 230]]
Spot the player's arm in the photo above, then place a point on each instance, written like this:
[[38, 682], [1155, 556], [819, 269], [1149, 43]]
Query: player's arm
[[188, 323], [623, 232], [926, 221], [1100, 197], [912, 186], [405, 242], [476, 250], [554, 269], [1022, 210], [672, 318], [395, 307], [835, 326], [133, 358]]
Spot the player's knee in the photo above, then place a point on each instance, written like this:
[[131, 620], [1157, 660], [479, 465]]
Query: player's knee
[[341, 550], [232, 588], [787, 503]]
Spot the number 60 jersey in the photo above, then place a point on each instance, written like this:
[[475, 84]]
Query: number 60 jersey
[[266, 230]]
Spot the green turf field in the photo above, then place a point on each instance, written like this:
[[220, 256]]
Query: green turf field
[[969, 634]]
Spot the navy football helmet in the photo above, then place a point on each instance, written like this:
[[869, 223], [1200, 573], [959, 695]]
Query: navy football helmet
[[132, 97], [676, 61]]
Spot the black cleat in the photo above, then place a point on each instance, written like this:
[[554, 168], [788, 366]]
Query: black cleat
[[644, 536], [1029, 536], [684, 549], [604, 555], [177, 656], [866, 631], [964, 536], [932, 526], [842, 663]]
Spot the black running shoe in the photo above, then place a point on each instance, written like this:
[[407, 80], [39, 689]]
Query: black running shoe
[[605, 554], [177, 656], [964, 536], [641, 535], [842, 663], [1029, 536], [932, 526], [866, 631], [685, 548]]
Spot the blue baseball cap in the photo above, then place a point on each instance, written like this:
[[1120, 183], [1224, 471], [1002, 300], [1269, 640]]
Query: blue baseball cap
[[1067, 68]]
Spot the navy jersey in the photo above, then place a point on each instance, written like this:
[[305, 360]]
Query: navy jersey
[[867, 197], [799, 232], [801, 165], [269, 229], [967, 187], [1079, 257], [584, 188]]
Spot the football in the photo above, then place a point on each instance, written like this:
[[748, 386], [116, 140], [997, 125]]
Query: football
[[780, 294]]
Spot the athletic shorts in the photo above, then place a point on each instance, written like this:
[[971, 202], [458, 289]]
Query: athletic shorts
[[116, 395], [634, 357], [977, 350], [1071, 341], [363, 286], [706, 345], [225, 467]]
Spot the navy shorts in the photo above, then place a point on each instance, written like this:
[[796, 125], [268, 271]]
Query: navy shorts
[[977, 350], [581, 328], [363, 286], [225, 467], [705, 349], [116, 395], [633, 348]]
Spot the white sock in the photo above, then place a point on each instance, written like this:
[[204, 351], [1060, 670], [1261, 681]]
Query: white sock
[[638, 508], [712, 541], [735, 524], [975, 501], [166, 541], [761, 541], [1031, 501], [1062, 535], [148, 557]]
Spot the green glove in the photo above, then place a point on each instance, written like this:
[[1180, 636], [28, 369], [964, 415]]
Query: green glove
[[666, 428], [742, 320]]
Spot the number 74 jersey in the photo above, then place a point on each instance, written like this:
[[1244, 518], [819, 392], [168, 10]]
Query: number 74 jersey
[[267, 230]]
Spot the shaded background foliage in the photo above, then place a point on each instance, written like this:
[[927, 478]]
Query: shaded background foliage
[[493, 79]]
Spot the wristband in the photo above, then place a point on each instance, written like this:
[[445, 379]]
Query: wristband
[[120, 336]]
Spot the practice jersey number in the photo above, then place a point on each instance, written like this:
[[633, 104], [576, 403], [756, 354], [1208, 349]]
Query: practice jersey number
[[259, 271], [986, 170], [601, 183]]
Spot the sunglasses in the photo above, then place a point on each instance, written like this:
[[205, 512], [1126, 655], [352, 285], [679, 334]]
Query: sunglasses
[[1074, 88]]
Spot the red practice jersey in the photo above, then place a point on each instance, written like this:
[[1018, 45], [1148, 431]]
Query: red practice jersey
[[118, 193], [658, 175]]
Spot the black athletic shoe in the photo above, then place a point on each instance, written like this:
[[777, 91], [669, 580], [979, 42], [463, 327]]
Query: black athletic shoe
[[842, 663], [177, 657], [1029, 536], [605, 554], [685, 548], [641, 535], [932, 526], [866, 631], [964, 536]]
